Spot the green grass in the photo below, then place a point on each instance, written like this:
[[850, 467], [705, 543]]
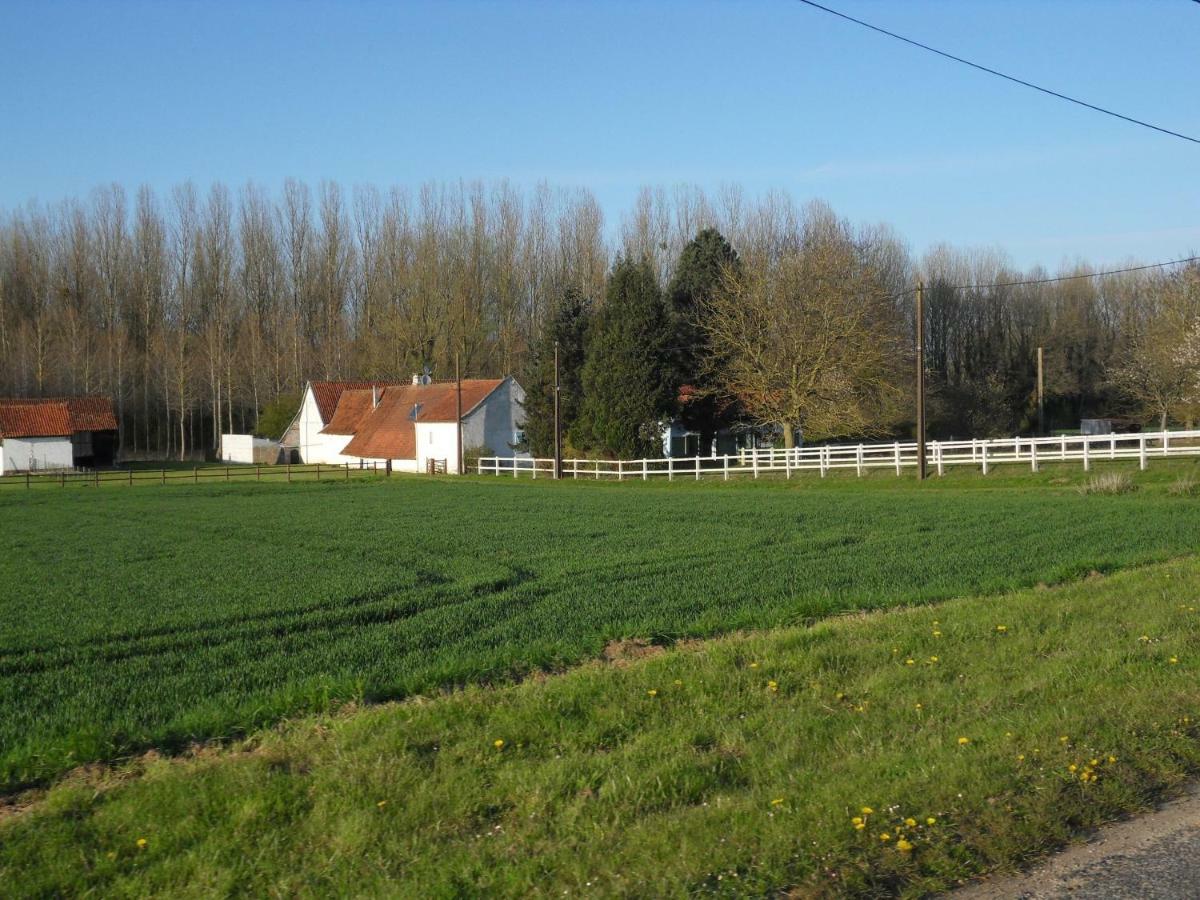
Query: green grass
[[156, 617], [717, 783]]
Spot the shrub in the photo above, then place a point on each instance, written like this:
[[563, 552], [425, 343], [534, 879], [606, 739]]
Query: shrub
[[1108, 483]]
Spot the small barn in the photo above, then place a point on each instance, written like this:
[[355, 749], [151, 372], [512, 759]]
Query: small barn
[[57, 433]]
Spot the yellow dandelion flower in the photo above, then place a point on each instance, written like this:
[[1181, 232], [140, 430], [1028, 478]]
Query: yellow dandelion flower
[[911, 823], [1072, 767], [910, 662], [1063, 739], [895, 650], [963, 740], [933, 659], [857, 820], [860, 826], [773, 685], [498, 743], [937, 633], [1084, 776], [677, 683], [754, 665], [931, 821], [866, 810], [381, 804], [1173, 660], [652, 692], [1020, 757], [1094, 762], [141, 843], [1145, 638], [778, 801], [885, 837], [1002, 628], [1112, 759], [919, 706], [904, 846]]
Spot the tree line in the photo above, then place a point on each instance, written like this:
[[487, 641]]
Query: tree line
[[206, 311]]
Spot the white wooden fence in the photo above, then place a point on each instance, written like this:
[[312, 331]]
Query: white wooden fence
[[899, 455]]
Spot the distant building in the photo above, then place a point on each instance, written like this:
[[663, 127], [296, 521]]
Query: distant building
[[406, 424], [56, 433]]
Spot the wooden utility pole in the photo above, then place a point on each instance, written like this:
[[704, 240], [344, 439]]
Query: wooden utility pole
[[921, 380], [557, 425], [1041, 395], [458, 412]]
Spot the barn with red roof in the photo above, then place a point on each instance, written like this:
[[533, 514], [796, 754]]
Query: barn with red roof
[[55, 433]]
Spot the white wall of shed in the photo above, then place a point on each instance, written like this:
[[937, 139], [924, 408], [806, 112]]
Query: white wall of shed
[[36, 453], [437, 440]]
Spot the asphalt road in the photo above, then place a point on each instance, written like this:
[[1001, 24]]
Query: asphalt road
[[1155, 856]]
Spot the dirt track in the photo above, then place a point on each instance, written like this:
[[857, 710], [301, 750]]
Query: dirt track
[[1152, 857]]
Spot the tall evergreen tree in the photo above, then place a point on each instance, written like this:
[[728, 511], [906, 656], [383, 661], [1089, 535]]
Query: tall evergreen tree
[[703, 263], [629, 379], [568, 326]]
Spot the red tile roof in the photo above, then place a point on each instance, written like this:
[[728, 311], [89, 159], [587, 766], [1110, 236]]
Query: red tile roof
[[388, 432], [55, 416], [351, 408], [327, 393]]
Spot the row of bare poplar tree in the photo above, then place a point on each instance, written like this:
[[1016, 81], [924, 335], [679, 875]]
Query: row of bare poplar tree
[[198, 310]]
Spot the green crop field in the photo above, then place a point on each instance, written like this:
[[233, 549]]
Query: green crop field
[[156, 616]]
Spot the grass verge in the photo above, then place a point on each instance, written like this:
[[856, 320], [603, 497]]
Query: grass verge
[[978, 733]]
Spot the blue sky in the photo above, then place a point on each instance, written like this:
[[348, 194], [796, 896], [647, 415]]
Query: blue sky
[[612, 96]]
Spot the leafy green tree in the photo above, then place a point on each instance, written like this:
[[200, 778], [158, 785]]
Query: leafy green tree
[[277, 416], [703, 263], [630, 380], [568, 326]]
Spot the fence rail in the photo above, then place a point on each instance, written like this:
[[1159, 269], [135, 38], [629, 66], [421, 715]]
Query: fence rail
[[897, 456], [194, 475]]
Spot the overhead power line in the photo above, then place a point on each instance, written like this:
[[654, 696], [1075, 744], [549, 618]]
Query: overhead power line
[[999, 74]]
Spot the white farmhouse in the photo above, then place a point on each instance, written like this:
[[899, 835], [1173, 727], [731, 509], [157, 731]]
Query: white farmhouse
[[406, 425]]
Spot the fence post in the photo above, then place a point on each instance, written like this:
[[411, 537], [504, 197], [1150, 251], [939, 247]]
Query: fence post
[[937, 452], [1112, 446], [1166, 442], [289, 473], [858, 460], [533, 466], [897, 458], [97, 474], [787, 463], [754, 461], [697, 467], [347, 471], [645, 469], [1087, 463], [318, 471], [164, 476], [670, 468], [620, 469], [983, 455], [1142, 452], [1033, 456], [195, 474], [725, 465], [1063, 451], [227, 473], [27, 479]]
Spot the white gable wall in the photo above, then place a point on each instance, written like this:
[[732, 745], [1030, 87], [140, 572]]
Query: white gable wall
[[314, 446], [35, 453], [496, 422], [437, 440]]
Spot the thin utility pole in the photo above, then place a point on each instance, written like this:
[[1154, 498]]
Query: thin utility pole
[[921, 380], [557, 426], [458, 412], [1041, 395]]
